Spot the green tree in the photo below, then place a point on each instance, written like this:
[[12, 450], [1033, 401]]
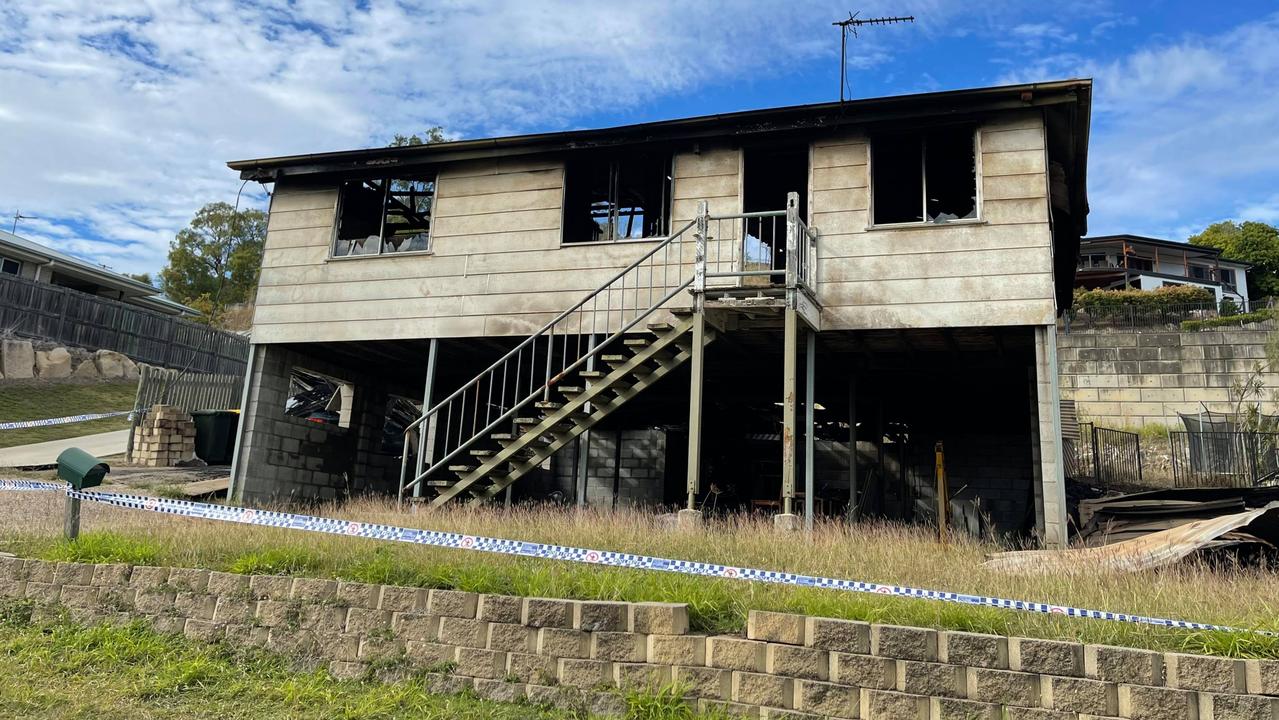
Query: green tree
[[1255, 243], [214, 261], [432, 135], [141, 277]]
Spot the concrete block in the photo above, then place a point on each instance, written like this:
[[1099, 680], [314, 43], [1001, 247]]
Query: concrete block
[[233, 610], [935, 679], [798, 662], [463, 632], [191, 605], [865, 671], [547, 612], [1022, 713], [1123, 665], [787, 522], [907, 643], [704, 682], [511, 637], [827, 699], [973, 649], [563, 643], [499, 608], [406, 599], [943, 708], [687, 519], [480, 663], [1003, 686], [1140, 702], [1079, 695], [271, 587], [364, 620], [846, 636], [429, 654], [415, 626], [677, 649], [17, 359], [643, 676], [224, 583], [276, 613], [1048, 657], [338, 646], [775, 627], [885, 705], [1237, 707], [189, 579], [606, 705], [315, 590], [381, 649], [72, 574], [527, 667], [345, 670], [584, 673], [732, 653], [762, 689], [80, 597], [143, 577], [1262, 676], [659, 618], [594, 616], [500, 691], [1205, 674], [619, 647], [358, 595]]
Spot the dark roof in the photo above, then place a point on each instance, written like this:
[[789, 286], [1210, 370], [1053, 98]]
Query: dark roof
[[1077, 93]]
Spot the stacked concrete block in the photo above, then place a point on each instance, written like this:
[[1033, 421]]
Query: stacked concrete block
[[583, 656], [164, 438]]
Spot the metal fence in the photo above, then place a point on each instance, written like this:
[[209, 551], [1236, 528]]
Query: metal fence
[[1170, 316], [187, 390], [49, 312], [1236, 459], [1103, 456]]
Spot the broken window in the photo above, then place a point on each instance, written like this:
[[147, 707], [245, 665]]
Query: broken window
[[1200, 272], [319, 398], [385, 216], [10, 267], [400, 413], [610, 198], [924, 176]]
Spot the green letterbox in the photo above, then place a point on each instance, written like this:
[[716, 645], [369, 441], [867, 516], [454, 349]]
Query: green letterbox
[[81, 469]]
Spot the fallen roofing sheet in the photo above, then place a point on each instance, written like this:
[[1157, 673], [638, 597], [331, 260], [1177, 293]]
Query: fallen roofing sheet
[[1258, 526]]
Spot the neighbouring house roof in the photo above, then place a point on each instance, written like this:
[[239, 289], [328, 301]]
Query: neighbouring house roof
[[20, 248], [1067, 105], [1202, 250]]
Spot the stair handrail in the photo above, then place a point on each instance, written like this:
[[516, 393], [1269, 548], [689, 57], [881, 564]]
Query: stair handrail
[[548, 331]]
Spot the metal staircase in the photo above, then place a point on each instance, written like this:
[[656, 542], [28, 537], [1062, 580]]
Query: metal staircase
[[589, 360]]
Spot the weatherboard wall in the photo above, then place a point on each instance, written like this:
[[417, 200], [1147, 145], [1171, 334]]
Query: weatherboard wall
[[499, 267]]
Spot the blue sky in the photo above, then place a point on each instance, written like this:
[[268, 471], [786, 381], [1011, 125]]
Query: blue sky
[[116, 118]]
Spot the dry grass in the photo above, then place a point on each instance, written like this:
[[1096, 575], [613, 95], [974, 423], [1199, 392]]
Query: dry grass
[[1239, 597]]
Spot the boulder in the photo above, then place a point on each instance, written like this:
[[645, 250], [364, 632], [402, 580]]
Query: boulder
[[17, 358], [55, 363], [86, 369], [131, 371], [110, 363]]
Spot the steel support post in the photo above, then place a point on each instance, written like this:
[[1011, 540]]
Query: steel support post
[[697, 365], [426, 431], [810, 455], [789, 371], [853, 510]]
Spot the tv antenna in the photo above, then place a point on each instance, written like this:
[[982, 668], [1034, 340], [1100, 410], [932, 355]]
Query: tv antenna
[[850, 25], [17, 215]]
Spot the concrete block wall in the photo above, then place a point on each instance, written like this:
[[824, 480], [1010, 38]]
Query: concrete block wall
[[1142, 378], [638, 475], [283, 457], [578, 654]]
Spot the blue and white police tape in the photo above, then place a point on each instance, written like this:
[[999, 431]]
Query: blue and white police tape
[[434, 538], [20, 424]]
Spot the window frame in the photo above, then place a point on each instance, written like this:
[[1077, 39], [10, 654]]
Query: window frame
[[381, 238], [978, 199], [5, 259], [614, 161]]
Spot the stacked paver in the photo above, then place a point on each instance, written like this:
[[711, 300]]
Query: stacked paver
[[164, 438], [577, 654]]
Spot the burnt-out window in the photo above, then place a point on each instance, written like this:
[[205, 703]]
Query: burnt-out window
[[1141, 263], [384, 216], [924, 177], [617, 197]]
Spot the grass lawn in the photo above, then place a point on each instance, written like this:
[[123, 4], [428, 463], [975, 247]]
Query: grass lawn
[[36, 401], [60, 670], [30, 525]]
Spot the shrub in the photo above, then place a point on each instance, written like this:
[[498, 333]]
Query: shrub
[[1165, 298], [1228, 307], [1252, 317]]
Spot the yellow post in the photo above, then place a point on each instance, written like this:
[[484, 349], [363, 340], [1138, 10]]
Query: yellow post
[[943, 495]]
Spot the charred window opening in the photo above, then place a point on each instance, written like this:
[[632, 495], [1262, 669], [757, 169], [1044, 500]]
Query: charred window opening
[[609, 198], [924, 177], [319, 398], [400, 412], [10, 267], [385, 216]]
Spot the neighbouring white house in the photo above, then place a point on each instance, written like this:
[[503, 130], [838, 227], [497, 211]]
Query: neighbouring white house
[[1116, 262], [20, 257]]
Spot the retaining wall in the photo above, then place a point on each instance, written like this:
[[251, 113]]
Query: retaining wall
[[576, 654], [1140, 378]]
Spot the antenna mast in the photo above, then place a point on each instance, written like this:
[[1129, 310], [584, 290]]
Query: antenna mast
[[17, 215], [850, 25]]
